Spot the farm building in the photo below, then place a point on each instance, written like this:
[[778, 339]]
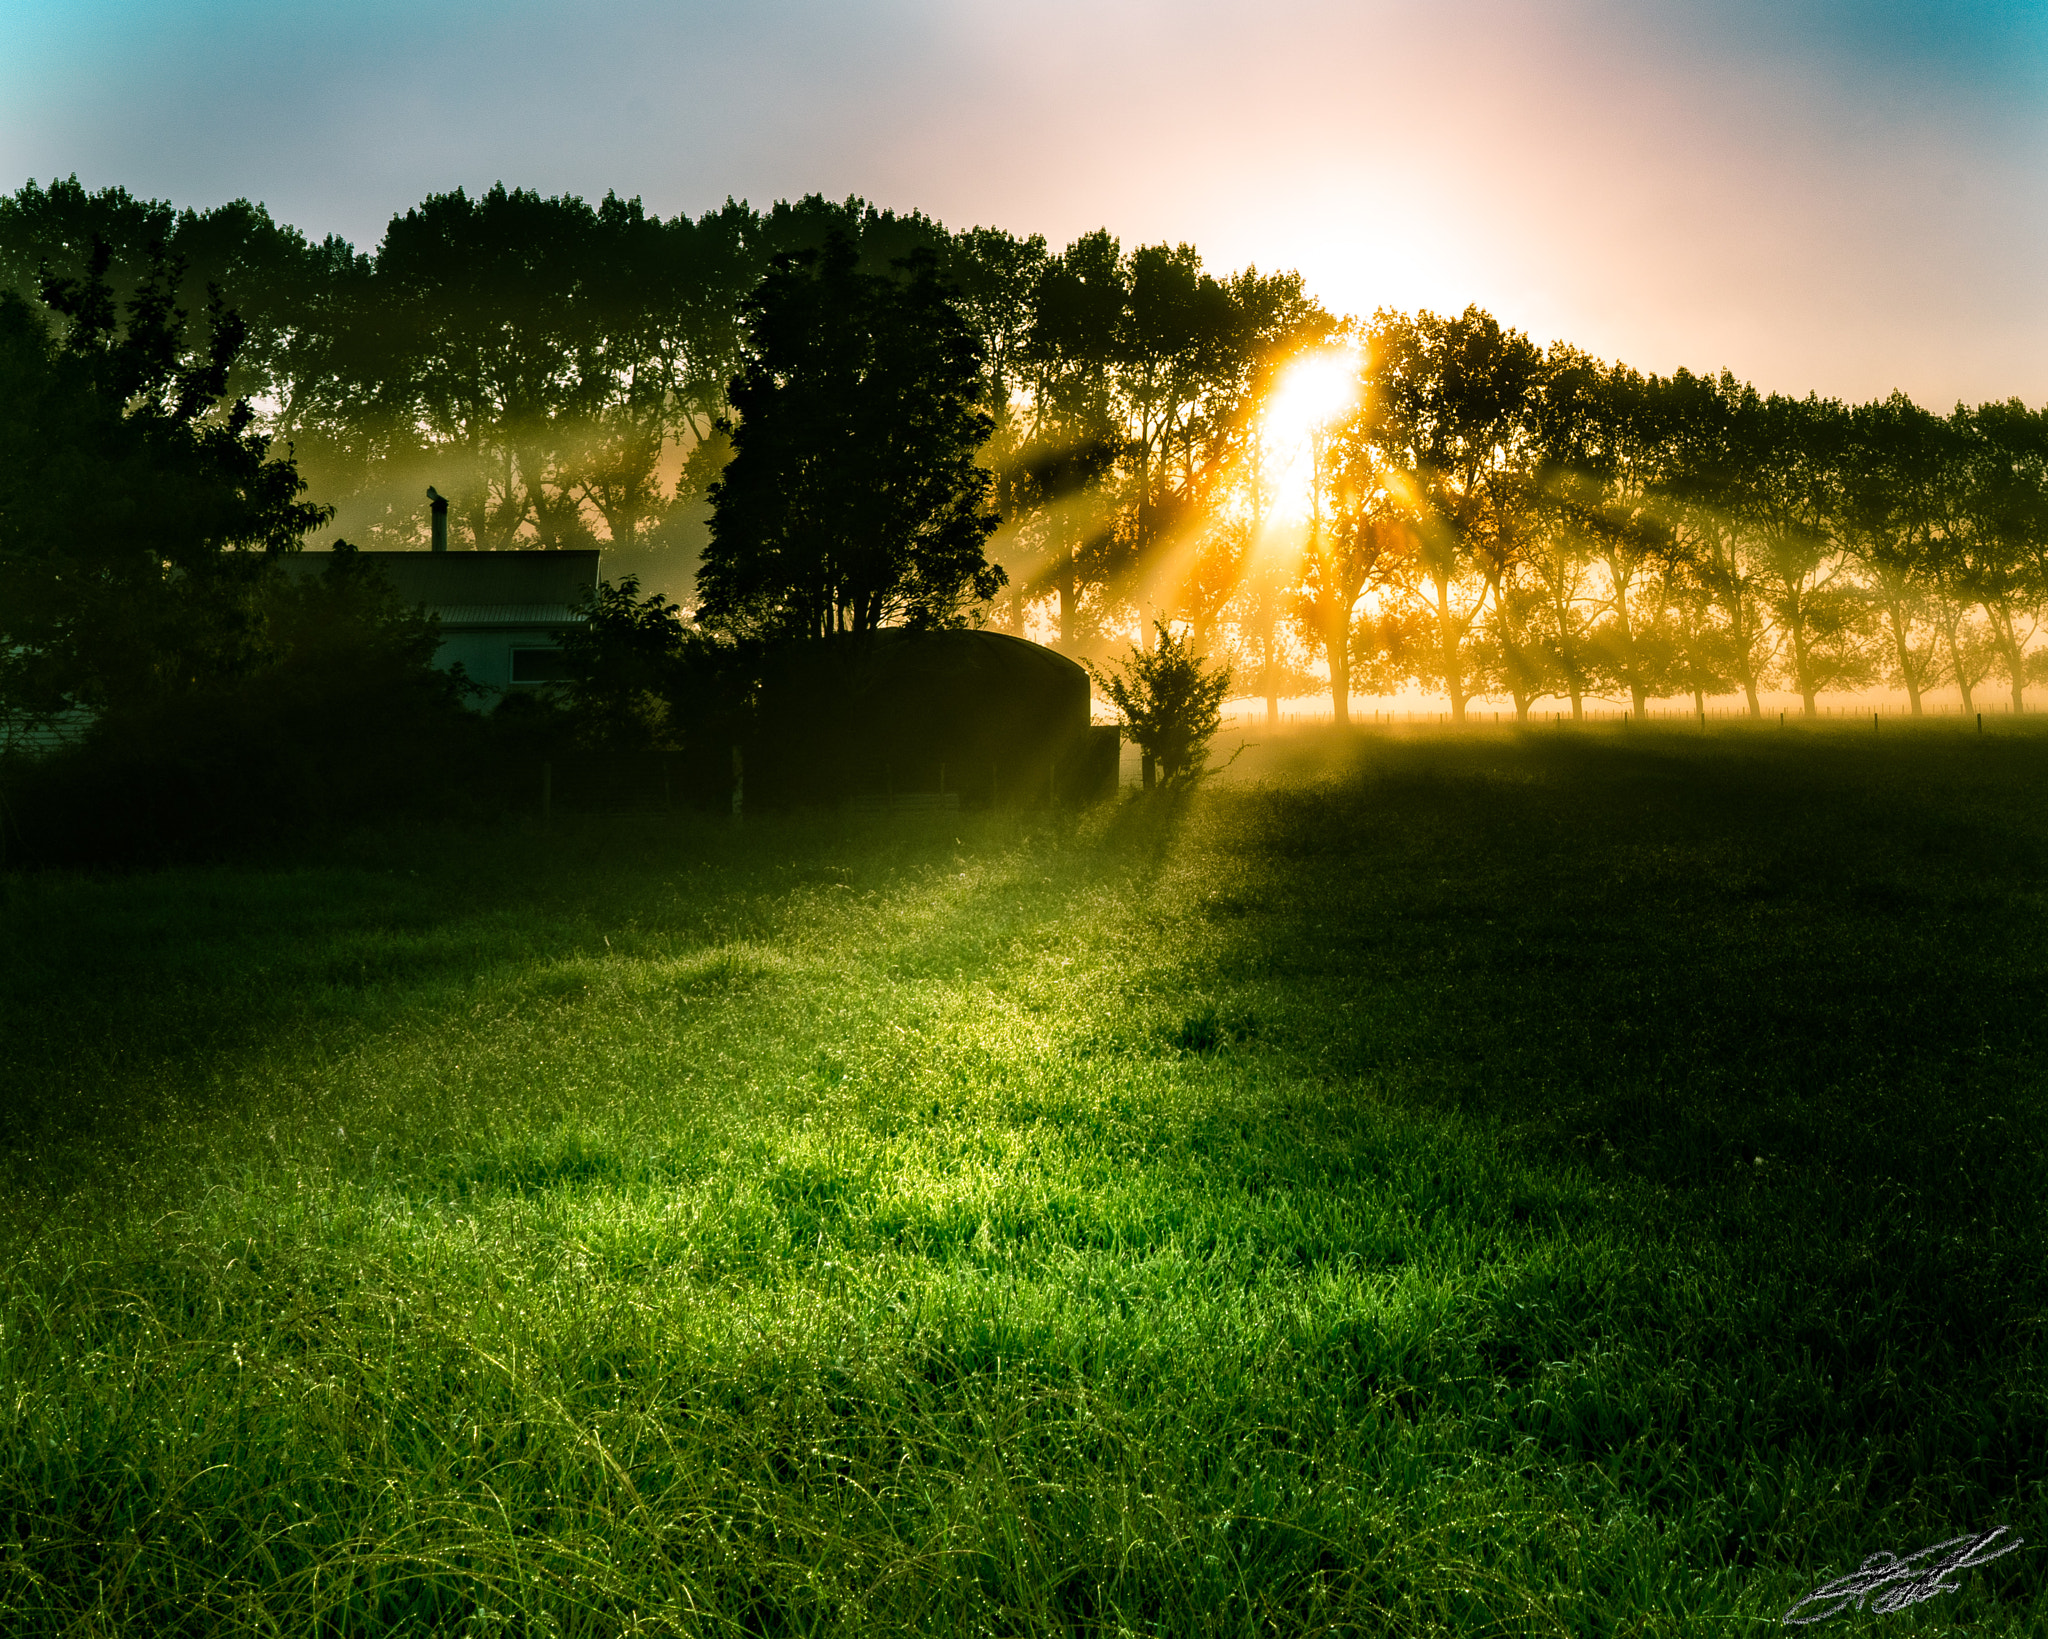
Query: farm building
[[953, 715], [502, 614]]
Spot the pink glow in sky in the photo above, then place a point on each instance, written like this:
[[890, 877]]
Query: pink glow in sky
[[1839, 195]]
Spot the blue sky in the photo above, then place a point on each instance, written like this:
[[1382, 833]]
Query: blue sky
[[1841, 195]]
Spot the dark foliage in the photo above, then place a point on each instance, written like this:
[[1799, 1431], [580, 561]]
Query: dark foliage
[[854, 498], [338, 718], [644, 678], [136, 500]]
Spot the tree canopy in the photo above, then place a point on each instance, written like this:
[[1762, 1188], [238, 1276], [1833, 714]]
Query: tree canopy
[[133, 490], [854, 498], [864, 391]]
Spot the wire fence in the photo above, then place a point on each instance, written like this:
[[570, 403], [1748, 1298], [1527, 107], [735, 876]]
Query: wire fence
[[1773, 716]]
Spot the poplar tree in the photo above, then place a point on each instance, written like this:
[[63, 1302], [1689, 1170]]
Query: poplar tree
[[854, 498]]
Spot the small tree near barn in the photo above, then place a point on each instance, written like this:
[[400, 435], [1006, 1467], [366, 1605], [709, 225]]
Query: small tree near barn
[[1168, 701]]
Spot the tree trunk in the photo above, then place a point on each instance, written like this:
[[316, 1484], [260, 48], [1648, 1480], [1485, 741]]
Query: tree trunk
[[1955, 659], [1745, 670], [1338, 649], [1621, 584], [1896, 614], [1578, 704], [1802, 667], [1447, 639], [2007, 638]]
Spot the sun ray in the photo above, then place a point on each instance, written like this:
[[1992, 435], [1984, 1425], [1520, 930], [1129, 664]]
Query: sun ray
[[1314, 390]]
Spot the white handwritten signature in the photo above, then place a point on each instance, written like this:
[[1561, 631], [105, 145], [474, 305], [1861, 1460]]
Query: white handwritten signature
[[1891, 1583]]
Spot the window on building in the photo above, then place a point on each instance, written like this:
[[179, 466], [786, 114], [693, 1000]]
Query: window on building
[[539, 666]]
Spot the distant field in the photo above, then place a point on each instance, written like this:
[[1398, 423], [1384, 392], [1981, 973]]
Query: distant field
[[1993, 703], [1575, 1182]]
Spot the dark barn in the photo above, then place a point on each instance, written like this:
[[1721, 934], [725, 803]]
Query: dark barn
[[950, 716]]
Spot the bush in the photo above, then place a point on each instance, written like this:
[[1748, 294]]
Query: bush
[[1168, 700]]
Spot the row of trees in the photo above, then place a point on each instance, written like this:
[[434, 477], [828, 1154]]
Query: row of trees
[[1494, 519], [934, 425], [559, 369], [555, 368]]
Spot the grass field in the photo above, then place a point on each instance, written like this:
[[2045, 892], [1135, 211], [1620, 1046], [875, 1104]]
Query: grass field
[[1563, 1183]]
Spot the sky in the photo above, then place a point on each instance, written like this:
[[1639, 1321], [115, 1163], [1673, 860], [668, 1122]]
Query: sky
[[1842, 196]]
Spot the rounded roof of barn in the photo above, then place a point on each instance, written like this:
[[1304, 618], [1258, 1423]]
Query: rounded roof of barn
[[896, 653]]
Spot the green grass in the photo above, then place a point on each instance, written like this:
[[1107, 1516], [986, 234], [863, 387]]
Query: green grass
[[1548, 1184]]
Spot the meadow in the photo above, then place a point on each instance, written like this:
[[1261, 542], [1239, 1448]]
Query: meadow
[[1568, 1182]]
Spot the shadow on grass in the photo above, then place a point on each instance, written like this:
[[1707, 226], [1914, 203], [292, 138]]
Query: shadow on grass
[[1771, 1014], [1615, 1153]]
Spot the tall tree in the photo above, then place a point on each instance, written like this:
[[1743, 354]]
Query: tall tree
[[1702, 472], [1789, 515], [1073, 442], [1277, 322], [1177, 355], [1358, 542], [476, 338], [1890, 508], [854, 498], [1459, 429], [995, 276], [137, 500], [1598, 430], [1998, 526]]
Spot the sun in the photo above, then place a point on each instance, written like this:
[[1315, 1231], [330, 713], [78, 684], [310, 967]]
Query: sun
[[1313, 390]]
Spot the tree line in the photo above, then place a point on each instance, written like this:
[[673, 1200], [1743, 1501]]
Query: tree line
[[1481, 516], [1545, 525]]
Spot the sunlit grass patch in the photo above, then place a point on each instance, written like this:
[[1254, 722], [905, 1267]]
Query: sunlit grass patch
[[1498, 1190]]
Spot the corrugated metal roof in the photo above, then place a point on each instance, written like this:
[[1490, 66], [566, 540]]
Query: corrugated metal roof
[[449, 580], [31, 735], [505, 614]]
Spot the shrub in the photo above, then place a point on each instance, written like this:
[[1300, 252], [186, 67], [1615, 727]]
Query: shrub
[[1168, 700]]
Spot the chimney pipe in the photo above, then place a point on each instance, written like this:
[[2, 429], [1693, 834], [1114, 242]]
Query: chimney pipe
[[440, 518]]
